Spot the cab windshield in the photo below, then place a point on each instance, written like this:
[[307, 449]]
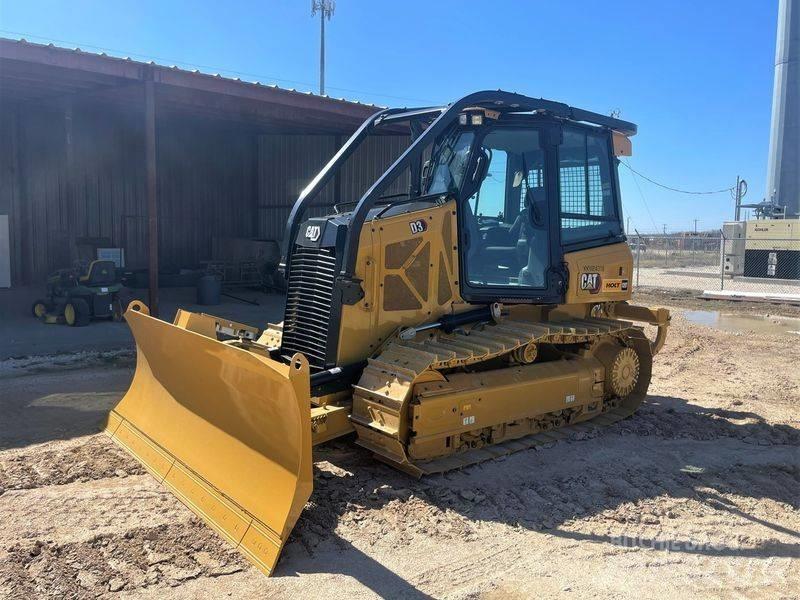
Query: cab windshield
[[506, 216], [504, 205]]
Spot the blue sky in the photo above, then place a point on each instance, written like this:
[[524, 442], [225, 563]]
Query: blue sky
[[695, 76]]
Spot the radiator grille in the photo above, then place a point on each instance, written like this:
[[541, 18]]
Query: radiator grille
[[308, 304]]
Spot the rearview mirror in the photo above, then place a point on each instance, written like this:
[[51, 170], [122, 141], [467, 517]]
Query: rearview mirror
[[426, 173], [481, 168], [471, 184]]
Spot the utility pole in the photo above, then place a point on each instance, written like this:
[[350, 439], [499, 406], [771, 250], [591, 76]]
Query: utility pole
[[325, 9], [665, 229], [695, 226], [739, 192]]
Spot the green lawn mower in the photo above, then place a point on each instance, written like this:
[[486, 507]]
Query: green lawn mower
[[76, 296]]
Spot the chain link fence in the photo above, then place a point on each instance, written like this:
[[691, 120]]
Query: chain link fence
[[702, 263]]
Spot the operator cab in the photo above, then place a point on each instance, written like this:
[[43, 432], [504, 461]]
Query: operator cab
[[527, 186], [533, 179]]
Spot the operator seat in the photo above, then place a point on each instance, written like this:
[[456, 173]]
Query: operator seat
[[474, 235], [532, 245]]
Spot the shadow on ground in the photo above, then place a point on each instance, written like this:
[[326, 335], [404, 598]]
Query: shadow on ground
[[354, 563], [669, 448], [58, 406]]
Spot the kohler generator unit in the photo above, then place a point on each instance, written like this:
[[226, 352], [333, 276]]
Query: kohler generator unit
[[766, 248], [772, 249]]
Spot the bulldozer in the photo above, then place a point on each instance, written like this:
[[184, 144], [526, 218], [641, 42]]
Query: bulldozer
[[473, 302]]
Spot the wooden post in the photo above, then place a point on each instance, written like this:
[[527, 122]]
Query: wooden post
[[337, 178], [152, 203], [16, 210], [72, 211]]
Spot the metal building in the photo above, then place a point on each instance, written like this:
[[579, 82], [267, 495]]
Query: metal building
[[94, 147]]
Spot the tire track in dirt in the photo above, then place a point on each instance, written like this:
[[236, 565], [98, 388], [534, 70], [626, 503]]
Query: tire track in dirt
[[59, 463], [162, 556], [77, 511]]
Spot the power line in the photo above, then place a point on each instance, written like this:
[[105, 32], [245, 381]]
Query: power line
[[641, 195], [210, 68], [672, 189]]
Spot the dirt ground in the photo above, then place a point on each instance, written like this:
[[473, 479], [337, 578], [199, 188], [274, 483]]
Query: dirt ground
[[697, 495]]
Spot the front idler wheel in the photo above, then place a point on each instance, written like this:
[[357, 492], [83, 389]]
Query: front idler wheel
[[622, 368]]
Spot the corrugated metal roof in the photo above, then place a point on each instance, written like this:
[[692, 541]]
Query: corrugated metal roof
[[236, 81]]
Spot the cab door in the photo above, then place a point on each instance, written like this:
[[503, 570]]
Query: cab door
[[508, 216]]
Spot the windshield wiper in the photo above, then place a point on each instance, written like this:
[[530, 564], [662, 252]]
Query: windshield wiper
[[390, 196], [336, 207]]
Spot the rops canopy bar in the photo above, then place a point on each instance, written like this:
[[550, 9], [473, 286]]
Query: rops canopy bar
[[442, 118]]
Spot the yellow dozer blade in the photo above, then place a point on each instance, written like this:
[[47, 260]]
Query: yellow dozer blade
[[227, 430]]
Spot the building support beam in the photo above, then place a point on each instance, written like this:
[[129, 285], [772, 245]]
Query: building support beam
[[18, 209], [337, 178], [151, 189], [69, 147]]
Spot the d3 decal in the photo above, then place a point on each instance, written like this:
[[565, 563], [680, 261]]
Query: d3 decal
[[418, 226]]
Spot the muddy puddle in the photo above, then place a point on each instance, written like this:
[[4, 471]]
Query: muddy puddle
[[765, 324]]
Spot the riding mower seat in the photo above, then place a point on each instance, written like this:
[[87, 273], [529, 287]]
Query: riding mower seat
[[100, 272], [76, 296]]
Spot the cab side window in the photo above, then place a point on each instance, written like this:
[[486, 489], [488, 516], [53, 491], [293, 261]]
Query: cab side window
[[587, 203], [490, 199]]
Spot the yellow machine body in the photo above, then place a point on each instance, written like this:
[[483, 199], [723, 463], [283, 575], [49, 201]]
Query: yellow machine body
[[413, 280], [406, 280], [230, 430], [226, 415]]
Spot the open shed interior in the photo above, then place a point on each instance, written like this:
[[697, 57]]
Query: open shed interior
[[229, 158]]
